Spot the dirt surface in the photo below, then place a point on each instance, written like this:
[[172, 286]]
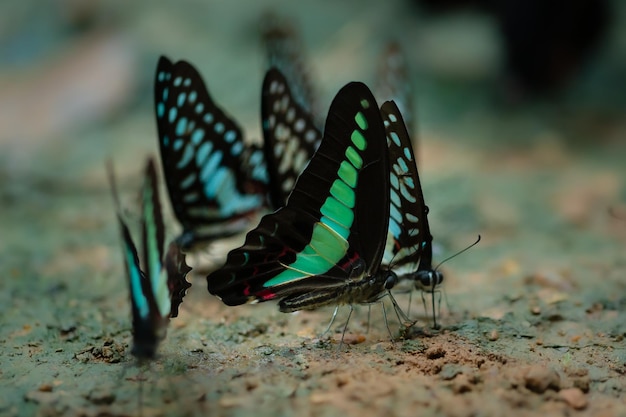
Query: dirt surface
[[534, 321]]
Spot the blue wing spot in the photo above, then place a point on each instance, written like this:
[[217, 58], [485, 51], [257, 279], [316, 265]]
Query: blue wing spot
[[161, 76], [172, 114], [403, 165], [394, 228], [168, 76], [197, 136], [219, 127], [213, 186], [203, 153], [395, 198], [229, 136], [181, 126], [199, 108], [187, 82], [412, 218], [181, 99], [236, 149], [395, 214], [166, 140], [209, 168], [192, 126], [193, 96], [409, 182], [187, 182], [407, 195], [160, 110], [178, 81], [208, 118], [166, 93], [190, 198], [393, 180], [407, 154], [394, 137], [178, 144], [187, 157], [365, 104], [393, 118]]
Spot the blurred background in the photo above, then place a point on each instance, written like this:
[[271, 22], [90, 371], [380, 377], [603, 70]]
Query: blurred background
[[519, 106], [76, 76]]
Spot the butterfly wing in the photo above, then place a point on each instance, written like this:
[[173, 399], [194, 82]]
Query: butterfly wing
[[290, 137], [202, 152], [335, 219], [409, 241], [177, 270], [283, 49], [393, 82], [148, 321]]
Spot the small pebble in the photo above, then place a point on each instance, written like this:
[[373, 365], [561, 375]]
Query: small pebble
[[574, 397], [461, 384], [435, 352], [539, 378], [493, 336], [45, 388], [535, 310]]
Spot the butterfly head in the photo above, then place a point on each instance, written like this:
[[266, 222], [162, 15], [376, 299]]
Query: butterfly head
[[428, 280], [391, 279]]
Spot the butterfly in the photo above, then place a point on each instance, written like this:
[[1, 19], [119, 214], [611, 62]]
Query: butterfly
[[215, 181], [325, 246], [290, 137], [408, 249], [393, 81], [156, 291], [284, 51]]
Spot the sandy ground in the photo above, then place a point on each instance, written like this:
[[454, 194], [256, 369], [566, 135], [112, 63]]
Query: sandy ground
[[534, 320]]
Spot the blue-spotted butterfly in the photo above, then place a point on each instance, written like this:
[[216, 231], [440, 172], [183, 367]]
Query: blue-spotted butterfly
[[156, 291], [290, 137], [393, 82], [284, 51], [408, 250], [326, 245], [215, 181]]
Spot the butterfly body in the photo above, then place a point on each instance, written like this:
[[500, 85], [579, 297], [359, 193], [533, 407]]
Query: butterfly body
[[329, 238], [363, 290]]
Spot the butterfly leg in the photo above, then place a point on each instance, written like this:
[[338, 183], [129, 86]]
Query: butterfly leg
[[382, 304], [408, 309], [343, 334], [432, 297], [403, 319], [332, 320]]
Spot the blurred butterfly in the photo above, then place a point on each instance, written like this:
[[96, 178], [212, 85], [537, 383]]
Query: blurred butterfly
[[157, 290], [216, 182]]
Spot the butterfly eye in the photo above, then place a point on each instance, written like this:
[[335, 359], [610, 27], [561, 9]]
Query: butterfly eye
[[391, 281], [424, 280]]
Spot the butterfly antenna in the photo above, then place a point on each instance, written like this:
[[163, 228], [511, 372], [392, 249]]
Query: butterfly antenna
[[457, 254]]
